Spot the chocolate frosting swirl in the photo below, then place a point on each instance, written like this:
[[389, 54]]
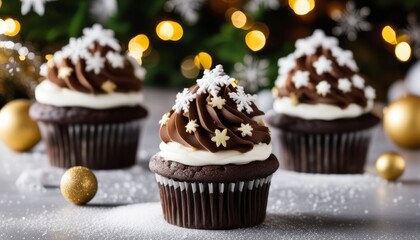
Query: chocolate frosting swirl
[[286, 87], [115, 72], [210, 119]]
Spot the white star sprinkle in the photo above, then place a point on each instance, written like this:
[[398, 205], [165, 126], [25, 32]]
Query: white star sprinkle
[[301, 79], [64, 72], [358, 81], [246, 130], [191, 126], [95, 62], [103, 37], [322, 88], [243, 101], [344, 58], [220, 138], [164, 119], [116, 60], [213, 80], [286, 64], [217, 102], [322, 65], [370, 93], [183, 100], [344, 85]]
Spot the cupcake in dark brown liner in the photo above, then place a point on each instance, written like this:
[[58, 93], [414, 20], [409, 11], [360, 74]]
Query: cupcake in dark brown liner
[[322, 109], [89, 107], [215, 165]]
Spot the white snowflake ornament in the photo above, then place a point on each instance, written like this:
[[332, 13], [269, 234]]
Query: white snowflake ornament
[[183, 100], [187, 9], [253, 6], [95, 62], [322, 65], [252, 73], [37, 5], [358, 81], [213, 80], [344, 85], [301, 78], [323, 88], [191, 126], [246, 130], [243, 101], [115, 59]]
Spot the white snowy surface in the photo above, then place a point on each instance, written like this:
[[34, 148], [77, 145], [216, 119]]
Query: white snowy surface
[[300, 206]]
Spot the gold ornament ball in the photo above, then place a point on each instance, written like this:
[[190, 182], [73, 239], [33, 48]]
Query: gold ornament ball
[[402, 122], [17, 130], [78, 185], [390, 165]]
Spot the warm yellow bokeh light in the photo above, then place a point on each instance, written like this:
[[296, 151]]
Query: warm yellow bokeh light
[[255, 40], [203, 60], [16, 29], [22, 58], [302, 7], [3, 26], [389, 35], [403, 51], [48, 57], [189, 69], [138, 43], [10, 26], [169, 30], [238, 19]]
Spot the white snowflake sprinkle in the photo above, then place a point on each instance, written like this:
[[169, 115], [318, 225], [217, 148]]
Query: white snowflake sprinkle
[[358, 81], [217, 102], [191, 126], [164, 119], [246, 130], [286, 64], [213, 80], [301, 79], [183, 100], [95, 62], [64, 72], [103, 37], [75, 50], [322, 88], [115, 59], [351, 21], [306, 46], [370, 93], [322, 65], [344, 85], [344, 58], [252, 73], [220, 137], [243, 101], [187, 9]]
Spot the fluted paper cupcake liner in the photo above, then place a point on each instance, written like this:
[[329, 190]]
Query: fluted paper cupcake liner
[[214, 205], [96, 146], [324, 153]]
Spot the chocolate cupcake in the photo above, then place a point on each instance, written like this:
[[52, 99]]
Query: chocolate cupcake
[[215, 164], [89, 107], [322, 109]]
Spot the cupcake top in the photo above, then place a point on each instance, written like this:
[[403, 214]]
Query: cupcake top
[[93, 72], [321, 81], [213, 123]]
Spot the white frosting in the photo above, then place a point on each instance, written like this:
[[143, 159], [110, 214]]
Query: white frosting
[[176, 152], [49, 93], [319, 111]]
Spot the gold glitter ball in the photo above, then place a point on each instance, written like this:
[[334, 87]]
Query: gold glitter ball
[[78, 185], [390, 165]]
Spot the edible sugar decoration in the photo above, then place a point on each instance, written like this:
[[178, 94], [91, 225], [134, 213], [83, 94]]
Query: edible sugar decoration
[[213, 80], [358, 81], [281, 81], [370, 92], [301, 79], [164, 119], [217, 102], [103, 37], [220, 137], [344, 85], [116, 60], [191, 126], [322, 65], [344, 58], [246, 130], [286, 64], [95, 62], [305, 47], [108, 86], [323, 87], [183, 100], [64, 72], [243, 101], [75, 50]]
